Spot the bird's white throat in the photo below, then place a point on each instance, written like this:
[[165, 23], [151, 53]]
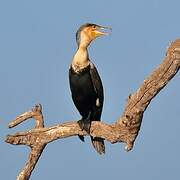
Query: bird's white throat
[[80, 59]]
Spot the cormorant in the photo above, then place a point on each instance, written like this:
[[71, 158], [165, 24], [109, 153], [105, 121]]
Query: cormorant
[[85, 83]]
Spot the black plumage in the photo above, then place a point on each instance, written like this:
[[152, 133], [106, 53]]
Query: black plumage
[[87, 95]]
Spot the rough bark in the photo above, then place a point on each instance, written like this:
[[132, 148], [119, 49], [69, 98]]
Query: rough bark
[[125, 129]]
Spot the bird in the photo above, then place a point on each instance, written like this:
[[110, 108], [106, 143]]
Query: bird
[[85, 83]]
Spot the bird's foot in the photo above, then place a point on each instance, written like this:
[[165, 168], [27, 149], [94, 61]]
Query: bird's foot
[[81, 138], [85, 124]]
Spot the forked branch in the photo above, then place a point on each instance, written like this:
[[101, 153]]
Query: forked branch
[[125, 129]]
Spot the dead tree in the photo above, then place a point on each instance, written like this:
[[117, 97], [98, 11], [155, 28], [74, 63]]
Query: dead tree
[[125, 129]]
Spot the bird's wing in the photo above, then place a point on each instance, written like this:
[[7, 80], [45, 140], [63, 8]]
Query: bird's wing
[[97, 83], [98, 143]]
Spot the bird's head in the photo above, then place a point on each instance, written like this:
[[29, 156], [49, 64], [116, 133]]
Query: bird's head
[[88, 32]]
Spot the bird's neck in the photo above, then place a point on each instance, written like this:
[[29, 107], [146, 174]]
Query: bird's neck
[[81, 58]]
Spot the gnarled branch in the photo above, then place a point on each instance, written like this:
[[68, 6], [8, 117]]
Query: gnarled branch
[[125, 129]]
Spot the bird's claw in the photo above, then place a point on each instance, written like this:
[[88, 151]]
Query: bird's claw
[[85, 124]]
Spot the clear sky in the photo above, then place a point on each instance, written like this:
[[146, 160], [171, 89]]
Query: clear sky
[[37, 42]]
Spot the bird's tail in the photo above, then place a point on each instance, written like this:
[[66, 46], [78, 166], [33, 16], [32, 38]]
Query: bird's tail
[[98, 144]]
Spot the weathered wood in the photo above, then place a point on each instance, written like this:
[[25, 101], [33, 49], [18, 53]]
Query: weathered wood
[[125, 129]]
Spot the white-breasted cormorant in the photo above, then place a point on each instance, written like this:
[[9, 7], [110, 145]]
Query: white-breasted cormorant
[[85, 83]]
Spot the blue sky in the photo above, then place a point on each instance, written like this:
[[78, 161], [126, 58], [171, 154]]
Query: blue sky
[[37, 42]]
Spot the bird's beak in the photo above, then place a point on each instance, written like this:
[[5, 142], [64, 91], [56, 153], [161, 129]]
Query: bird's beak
[[101, 30]]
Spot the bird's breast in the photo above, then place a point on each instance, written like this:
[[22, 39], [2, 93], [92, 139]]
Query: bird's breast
[[81, 83]]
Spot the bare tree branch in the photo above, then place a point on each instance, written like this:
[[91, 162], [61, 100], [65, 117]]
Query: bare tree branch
[[125, 129]]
